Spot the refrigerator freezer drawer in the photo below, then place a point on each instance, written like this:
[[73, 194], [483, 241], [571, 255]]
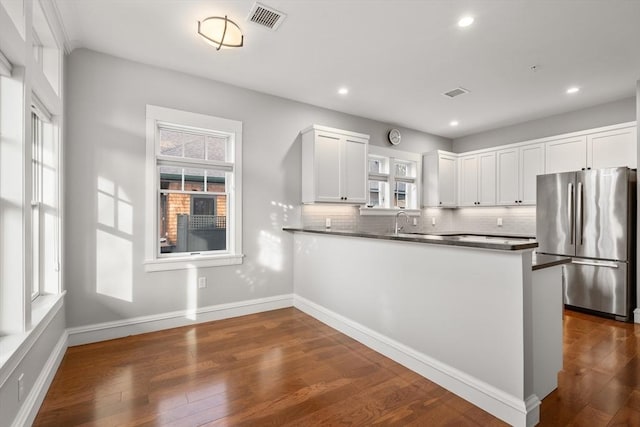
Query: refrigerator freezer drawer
[[597, 285]]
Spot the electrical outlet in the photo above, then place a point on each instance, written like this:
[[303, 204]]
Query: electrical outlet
[[499, 222], [415, 221], [327, 222], [433, 221], [20, 387], [202, 282]]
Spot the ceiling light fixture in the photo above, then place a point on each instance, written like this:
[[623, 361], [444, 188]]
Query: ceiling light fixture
[[573, 89], [453, 123], [465, 21], [343, 91], [220, 32]]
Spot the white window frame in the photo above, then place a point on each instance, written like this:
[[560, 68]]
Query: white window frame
[[392, 157], [166, 117]]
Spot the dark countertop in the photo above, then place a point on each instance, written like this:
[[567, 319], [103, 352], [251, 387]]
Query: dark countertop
[[540, 261], [472, 240]]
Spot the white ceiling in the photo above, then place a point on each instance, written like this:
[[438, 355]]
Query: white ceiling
[[396, 57]]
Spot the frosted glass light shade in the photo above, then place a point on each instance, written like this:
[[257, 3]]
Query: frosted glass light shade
[[220, 32]]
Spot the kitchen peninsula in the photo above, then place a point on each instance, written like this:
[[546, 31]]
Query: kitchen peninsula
[[475, 315]]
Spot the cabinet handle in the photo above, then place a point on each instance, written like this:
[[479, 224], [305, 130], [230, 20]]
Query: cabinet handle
[[440, 202]]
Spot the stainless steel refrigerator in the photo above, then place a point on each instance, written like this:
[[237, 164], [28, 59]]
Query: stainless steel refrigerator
[[590, 216]]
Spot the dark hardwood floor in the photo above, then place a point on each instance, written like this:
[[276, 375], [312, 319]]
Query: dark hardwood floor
[[285, 368]]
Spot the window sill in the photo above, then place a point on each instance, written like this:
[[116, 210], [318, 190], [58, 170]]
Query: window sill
[[184, 263], [14, 347], [387, 211]]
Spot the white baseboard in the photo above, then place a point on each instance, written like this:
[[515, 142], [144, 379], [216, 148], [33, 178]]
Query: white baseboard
[[139, 325], [636, 315], [31, 406], [509, 408]]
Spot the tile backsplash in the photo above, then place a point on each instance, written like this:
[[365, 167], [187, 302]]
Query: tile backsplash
[[515, 220]]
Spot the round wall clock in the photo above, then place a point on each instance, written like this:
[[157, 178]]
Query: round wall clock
[[394, 136]]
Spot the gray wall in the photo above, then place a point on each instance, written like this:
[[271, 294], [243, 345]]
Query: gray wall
[[105, 143], [610, 113]]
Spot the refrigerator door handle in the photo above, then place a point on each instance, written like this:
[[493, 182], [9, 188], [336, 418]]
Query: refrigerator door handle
[[596, 263], [570, 207], [581, 213]]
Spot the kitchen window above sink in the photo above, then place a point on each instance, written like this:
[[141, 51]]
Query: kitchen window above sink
[[393, 182]]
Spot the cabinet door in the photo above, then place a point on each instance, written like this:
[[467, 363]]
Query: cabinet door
[[566, 155], [612, 149], [468, 181], [507, 175], [531, 165], [447, 180], [354, 170], [487, 179], [327, 167]]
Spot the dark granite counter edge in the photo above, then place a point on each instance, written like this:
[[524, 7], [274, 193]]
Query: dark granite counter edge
[[541, 261], [430, 239]]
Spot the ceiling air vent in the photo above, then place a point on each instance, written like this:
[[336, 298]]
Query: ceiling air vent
[[266, 16], [455, 92]]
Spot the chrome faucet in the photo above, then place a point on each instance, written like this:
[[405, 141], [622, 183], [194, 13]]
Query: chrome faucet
[[398, 229]]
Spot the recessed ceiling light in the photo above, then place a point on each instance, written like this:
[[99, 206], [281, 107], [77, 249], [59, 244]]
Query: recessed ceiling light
[[343, 91], [574, 89], [453, 123], [465, 21]]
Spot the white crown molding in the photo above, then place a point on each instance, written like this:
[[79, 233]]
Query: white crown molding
[[68, 45]]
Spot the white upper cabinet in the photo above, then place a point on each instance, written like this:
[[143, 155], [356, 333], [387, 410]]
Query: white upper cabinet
[[507, 171], [612, 148], [517, 169], [334, 166], [532, 164], [566, 154], [477, 180], [440, 172]]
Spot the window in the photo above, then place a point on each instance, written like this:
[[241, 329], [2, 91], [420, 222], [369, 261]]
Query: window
[[194, 191], [393, 179], [45, 229]]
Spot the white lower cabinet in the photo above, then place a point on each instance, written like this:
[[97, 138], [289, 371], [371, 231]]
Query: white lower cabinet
[[334, 166], [517, 169], [477, 180]]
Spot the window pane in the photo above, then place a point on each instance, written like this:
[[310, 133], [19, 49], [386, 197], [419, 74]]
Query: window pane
[[404, 195], [377, 194], [193, 146], [181, 144], [375, 165], [170, 178], [405, 169], [193, 179], [216, 181], [216, 148], [401, 169], [170, 143], [192, 223]]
